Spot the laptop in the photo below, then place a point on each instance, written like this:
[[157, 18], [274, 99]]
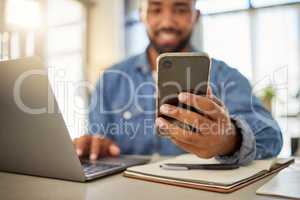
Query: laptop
[[34, 139]]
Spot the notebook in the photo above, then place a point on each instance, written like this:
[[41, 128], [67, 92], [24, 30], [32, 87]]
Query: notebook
[[223, 181], [286, 184]]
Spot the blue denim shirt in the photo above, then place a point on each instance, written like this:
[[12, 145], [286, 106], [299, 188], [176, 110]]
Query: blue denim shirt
[[122, 108]]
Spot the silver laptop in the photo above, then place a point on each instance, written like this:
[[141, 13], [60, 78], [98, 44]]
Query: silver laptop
[[35, 141]]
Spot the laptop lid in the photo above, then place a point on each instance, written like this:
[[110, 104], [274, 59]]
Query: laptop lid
[[34, 139]]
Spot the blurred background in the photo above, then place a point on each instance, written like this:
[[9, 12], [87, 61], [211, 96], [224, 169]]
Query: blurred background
[[78, 39]]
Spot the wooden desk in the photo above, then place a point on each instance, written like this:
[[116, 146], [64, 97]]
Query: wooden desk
[[17, 187]]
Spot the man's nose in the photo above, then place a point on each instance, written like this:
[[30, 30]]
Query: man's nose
[[167, 19]]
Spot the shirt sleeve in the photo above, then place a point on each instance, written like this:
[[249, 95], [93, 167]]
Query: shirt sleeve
[[247, 151], [261, 135]]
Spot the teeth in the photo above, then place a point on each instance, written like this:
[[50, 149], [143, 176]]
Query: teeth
[[167, 36]]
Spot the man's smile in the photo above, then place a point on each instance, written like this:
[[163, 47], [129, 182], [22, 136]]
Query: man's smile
[[168, 37]]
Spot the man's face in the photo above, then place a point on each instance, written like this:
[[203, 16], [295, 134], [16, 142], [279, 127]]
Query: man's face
[[169, 23]]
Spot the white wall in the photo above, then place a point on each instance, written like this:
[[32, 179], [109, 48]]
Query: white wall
[[106, 35]]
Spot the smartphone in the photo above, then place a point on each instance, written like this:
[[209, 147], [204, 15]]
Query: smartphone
[[180, 72]]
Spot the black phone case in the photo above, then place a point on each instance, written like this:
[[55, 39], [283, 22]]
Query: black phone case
[[181, 72]]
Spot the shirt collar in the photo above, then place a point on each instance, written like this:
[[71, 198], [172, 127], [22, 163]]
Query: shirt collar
[[143, 63]]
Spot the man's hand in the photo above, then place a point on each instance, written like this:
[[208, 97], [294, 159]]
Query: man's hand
[[95, 147], [216, 135]]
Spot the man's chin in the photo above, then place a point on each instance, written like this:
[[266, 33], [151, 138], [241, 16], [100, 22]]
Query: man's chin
[[166, 48]]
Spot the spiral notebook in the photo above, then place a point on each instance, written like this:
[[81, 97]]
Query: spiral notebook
[[223, 181]]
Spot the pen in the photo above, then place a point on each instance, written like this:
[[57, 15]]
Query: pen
[[177, 166]]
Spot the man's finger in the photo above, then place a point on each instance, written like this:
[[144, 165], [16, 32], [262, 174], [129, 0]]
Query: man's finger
[[203, 104], [185, 116], [215, 99], [209, 92], [201, 152], [114, 150], [180, 134], [82, 145], [96, 147]]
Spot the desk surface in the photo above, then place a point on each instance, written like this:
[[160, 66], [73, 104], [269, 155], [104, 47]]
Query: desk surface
[[16, 187]]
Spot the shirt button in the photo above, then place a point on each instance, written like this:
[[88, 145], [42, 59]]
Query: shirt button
[[127, 115]]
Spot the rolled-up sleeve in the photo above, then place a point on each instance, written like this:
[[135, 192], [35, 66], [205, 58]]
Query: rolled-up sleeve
[[260, 133], [247, 151]]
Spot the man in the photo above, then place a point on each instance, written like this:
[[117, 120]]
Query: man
[[122, 108]]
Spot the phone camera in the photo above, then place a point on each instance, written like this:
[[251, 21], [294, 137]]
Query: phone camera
[[167, 64]]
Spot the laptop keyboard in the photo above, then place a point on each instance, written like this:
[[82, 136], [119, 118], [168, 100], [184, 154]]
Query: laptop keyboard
[[90, 167]]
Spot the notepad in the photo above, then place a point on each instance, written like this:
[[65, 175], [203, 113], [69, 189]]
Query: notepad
[[212, 180]]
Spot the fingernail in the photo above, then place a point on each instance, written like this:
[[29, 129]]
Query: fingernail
[[167, 109], [182, 97], [114, 150], [160, 123], [93, 156], [79, 152]]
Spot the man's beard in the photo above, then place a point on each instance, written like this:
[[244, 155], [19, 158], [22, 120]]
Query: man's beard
[[170, 48]]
